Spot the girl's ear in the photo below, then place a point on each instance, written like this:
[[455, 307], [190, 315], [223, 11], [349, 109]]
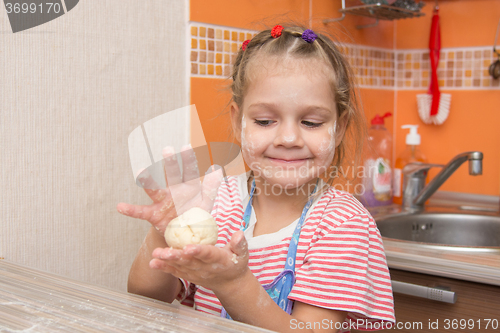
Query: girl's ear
[[341, 128], [235, 120]]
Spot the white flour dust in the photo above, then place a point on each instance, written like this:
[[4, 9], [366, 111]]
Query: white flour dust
[[289, 139], [327, 146], [246, 142]]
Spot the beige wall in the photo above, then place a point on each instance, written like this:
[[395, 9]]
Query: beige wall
[[71, 91]]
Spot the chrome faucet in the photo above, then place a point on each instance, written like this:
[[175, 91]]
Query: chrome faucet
[[414, 192]]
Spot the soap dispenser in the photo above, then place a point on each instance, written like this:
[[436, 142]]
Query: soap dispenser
[[411, 154]]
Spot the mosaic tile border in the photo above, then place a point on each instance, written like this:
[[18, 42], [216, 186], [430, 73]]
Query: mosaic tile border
[[459, 68], [373, 67], [213, 49]]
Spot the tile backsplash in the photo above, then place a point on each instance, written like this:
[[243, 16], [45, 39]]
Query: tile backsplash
[[213, 49], [459, 68]]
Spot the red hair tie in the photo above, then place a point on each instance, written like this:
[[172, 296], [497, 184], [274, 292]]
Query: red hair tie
[[244, 45], [276, 31]]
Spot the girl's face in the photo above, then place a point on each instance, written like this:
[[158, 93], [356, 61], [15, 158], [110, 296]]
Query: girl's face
[[289, 128]]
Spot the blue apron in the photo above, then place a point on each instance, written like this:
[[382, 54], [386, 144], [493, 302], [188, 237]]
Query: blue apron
[[281, 286]]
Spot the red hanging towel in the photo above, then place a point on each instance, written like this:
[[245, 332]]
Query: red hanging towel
[[434, 50]]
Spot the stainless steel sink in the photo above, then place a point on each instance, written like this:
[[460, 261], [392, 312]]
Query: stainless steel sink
[[444, 228]]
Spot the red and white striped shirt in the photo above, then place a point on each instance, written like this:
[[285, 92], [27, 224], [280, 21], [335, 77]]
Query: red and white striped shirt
[[340, 260]]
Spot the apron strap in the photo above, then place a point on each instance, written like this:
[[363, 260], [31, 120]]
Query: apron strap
[[248, 210], [294, 242]]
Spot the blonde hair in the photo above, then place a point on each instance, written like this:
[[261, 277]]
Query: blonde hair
[[291, 44]]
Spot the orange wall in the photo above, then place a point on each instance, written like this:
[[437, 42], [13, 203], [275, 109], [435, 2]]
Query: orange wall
[[211, 98], [258, 14], [473, 117], [247, 14], [463, 23]]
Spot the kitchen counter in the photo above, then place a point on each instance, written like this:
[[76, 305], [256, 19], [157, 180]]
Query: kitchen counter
[[35, 301], [469, 264], [474, 264]]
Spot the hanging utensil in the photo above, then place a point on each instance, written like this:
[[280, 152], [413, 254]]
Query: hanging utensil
[[434, 54], [434, 106]]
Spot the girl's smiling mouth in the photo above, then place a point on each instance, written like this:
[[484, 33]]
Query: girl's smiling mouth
[[288, 161]]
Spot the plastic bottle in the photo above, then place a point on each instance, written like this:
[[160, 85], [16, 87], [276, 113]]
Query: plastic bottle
[[411, 154], [377, 181]]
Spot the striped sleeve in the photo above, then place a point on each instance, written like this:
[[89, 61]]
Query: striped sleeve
[[186, 294], [344, 267]]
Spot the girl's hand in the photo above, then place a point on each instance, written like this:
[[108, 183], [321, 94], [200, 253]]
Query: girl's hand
[[206, 265], [184, 189]]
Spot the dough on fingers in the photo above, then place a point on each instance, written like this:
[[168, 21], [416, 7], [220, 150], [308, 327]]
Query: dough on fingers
[[196, 226]]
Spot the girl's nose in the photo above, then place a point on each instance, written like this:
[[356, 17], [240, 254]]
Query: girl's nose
[[288, 135]]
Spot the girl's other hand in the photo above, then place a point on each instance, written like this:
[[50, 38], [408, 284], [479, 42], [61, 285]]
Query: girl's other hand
[[206, 265], [184, 189]]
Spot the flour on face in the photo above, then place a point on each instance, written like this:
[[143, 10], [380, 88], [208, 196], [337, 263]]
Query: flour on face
[[327, 146], [247, 144], [243, 129], [289, 139], [290, 95]]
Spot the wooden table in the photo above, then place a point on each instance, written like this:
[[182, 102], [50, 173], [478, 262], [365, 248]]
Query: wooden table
[[35, 301]]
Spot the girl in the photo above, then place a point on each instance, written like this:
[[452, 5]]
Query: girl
[[293, 253]]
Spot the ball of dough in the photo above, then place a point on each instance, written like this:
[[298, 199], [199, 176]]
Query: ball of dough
[[196, 226]]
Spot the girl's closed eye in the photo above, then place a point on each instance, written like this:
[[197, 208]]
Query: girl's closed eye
[[264, 122], [268, 122], [311, 124]]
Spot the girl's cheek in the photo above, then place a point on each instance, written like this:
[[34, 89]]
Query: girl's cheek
[[251, 144], [326, 149], [249, 150], [245, 143], [332, 133], [248, 144]]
